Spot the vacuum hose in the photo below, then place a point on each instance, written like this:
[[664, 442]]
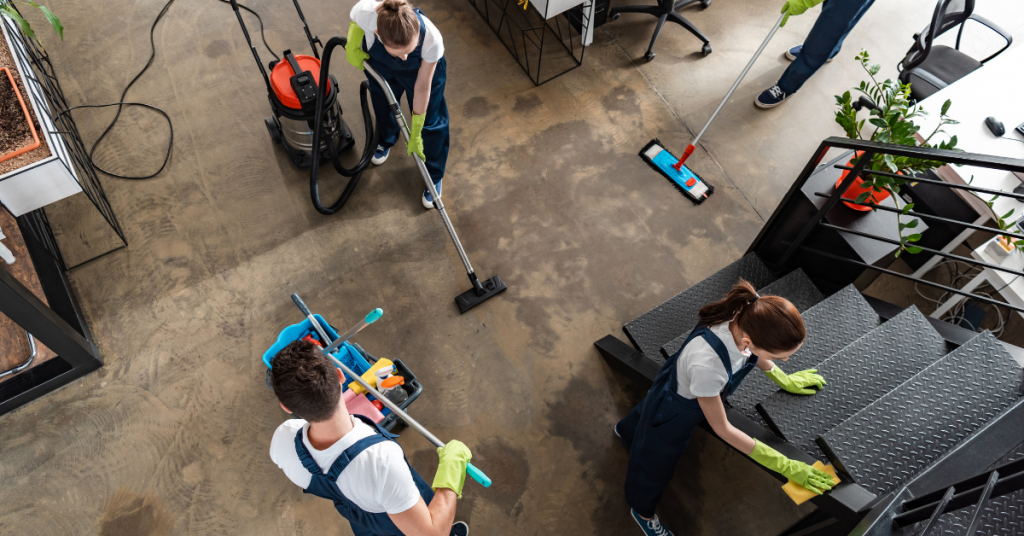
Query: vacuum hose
[[356, 172]]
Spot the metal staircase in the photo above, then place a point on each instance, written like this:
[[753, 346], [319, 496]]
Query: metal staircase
[[923, 420]]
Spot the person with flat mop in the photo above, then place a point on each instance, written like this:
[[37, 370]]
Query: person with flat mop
[[407, 50], [735, 334], [353, 462]]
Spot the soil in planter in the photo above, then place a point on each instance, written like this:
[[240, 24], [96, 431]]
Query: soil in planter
[[14, 131], [35, 155]]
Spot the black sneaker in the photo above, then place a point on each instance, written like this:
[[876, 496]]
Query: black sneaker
[[771, 97], [460, 528], [652, 526]]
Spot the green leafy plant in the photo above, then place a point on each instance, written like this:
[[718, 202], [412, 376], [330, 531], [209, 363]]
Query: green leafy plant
[[892, 118], [7, 8]]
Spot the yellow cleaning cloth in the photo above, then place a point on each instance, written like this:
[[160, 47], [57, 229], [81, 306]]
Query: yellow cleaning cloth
[[800, 494]]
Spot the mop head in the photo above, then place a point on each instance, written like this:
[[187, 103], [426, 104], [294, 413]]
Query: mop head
[[689, 183]]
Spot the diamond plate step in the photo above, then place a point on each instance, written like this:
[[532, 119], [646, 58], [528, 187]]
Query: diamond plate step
[[794, 286], [901, 433], [831, 325], [1002, 516], [857, 375], [651, 330]]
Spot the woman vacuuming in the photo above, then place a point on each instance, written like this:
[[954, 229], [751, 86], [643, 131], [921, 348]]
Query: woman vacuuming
[[735, 334], [406, 49]]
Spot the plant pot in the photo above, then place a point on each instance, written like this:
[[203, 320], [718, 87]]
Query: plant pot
[[24, 117], [46, 174], [855, 190]]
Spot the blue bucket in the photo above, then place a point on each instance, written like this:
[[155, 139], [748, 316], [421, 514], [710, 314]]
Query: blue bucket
[[345, 353]]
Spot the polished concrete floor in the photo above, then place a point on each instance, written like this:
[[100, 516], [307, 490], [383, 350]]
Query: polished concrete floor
[[545, 188]]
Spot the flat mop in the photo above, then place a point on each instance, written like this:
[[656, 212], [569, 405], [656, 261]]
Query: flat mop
[[689, 183]]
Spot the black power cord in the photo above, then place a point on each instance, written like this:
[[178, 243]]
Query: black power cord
[[120, 107], [121, 103]]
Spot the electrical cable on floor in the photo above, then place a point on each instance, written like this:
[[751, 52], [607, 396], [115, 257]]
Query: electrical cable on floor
[[121, 104], [957, 279]]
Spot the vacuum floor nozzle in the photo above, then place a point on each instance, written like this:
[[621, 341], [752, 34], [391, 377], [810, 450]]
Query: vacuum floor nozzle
[[473, 297]]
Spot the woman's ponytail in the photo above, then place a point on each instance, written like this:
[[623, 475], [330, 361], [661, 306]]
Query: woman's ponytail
[[397, 24], [771, 322]]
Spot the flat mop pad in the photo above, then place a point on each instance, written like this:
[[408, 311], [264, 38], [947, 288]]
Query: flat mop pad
[[688, 182]]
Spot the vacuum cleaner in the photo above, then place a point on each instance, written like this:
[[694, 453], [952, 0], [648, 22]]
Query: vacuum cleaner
[[308, 123]]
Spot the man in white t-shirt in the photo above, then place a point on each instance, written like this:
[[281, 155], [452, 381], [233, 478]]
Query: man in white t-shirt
[[406, 49], [353, 462]]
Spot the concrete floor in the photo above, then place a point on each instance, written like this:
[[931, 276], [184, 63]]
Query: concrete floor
[[545, 188]]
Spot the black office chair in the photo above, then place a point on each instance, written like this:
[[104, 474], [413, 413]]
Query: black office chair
[[666, 10], [929, 68]]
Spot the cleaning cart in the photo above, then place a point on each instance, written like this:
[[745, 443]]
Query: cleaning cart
[[355, 358]]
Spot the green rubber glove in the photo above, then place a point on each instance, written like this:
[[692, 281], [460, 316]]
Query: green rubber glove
[[451, 469], [354, 52], [797, 382], [415, 144], [813, 479], [797, 7]]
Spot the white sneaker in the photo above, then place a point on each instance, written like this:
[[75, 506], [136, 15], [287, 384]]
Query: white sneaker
[[427, 200], [380, 155]]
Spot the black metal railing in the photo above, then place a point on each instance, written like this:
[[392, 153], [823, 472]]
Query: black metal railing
[[43, 86], [972, 493], [795, 232]]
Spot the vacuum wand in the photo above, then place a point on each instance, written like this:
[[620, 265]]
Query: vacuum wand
[[471, 470], [690, 148]]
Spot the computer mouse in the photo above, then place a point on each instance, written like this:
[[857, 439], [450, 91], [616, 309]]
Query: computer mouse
[[995, 126]]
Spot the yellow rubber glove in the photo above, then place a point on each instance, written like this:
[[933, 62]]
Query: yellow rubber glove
[[797, 7], [813, 479], [354, 52], [797, 382], [451, 469], [415, 144]]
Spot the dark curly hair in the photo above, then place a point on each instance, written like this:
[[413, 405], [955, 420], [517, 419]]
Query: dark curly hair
[[305, 381]]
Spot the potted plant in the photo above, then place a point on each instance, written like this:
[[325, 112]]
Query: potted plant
[[891, 115], [37, 174]]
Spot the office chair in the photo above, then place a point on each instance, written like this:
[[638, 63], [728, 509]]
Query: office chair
[[666, 10], [929, 68]]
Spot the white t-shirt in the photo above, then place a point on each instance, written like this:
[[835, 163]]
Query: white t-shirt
[[364, 13], [700, 371], [377, 480]]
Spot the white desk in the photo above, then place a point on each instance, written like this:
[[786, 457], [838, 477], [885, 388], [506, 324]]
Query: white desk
[[996, 89]]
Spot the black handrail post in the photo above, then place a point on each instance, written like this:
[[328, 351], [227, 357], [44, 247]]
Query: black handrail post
[[824, 210]]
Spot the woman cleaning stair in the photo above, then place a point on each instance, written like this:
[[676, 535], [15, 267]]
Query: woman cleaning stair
[[734, 334]]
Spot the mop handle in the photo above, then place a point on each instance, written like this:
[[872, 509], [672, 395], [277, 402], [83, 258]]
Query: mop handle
[[305, 310], [370, 318], [471, 470], [690, 148]]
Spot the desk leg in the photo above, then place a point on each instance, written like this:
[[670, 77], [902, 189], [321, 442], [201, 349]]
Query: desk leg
[[959, 239], [969, 287]]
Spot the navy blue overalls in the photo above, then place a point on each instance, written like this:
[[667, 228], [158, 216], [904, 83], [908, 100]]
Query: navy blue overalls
[[326, 485], [401, 76], [658, 429]]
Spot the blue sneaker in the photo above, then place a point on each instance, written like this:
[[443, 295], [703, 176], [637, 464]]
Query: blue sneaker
[[651, 527], [428, 200], [795, 51], [771, 97], [380, 155]]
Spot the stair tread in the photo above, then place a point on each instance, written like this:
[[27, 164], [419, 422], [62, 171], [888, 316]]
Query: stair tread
[[904, 431], [794, 286], [651, 330], [857, 375], [1001, 516], [825, 336]]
